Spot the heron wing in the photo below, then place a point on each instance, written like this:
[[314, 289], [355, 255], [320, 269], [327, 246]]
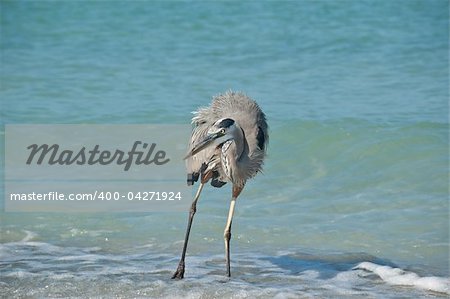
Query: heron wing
[[194, 164]]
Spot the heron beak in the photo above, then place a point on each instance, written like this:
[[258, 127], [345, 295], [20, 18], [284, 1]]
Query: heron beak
[[203, 144]]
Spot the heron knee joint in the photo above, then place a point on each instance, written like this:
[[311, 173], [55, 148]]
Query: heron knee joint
[[193, 209], [227, 235]]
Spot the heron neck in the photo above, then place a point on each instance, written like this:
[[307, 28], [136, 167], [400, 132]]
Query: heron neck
[[240, 142]]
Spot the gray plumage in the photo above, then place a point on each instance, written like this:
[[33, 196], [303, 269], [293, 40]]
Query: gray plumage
[[228, 144], [246, 154]]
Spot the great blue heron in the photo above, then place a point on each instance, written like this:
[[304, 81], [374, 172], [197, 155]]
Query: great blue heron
[[228, 144]]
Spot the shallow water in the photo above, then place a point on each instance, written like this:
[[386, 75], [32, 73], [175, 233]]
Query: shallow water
[[40, 269], [356, 97]]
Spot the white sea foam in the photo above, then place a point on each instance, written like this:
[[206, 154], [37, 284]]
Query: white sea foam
[[137, 272], [29, 236], [397, 276]]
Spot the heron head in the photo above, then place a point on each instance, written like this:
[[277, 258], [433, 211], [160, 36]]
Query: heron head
[[221, 131]]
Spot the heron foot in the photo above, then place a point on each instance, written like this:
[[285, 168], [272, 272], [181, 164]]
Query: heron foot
[[179, 274]]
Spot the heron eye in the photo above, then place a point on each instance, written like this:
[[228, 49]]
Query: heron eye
[[222, 131]]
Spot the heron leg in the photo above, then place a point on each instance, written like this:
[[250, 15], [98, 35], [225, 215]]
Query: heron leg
[[179, 273], [227, 232]]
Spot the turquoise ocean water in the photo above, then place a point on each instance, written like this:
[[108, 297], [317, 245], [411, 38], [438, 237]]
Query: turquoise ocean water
[[356, 96]]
